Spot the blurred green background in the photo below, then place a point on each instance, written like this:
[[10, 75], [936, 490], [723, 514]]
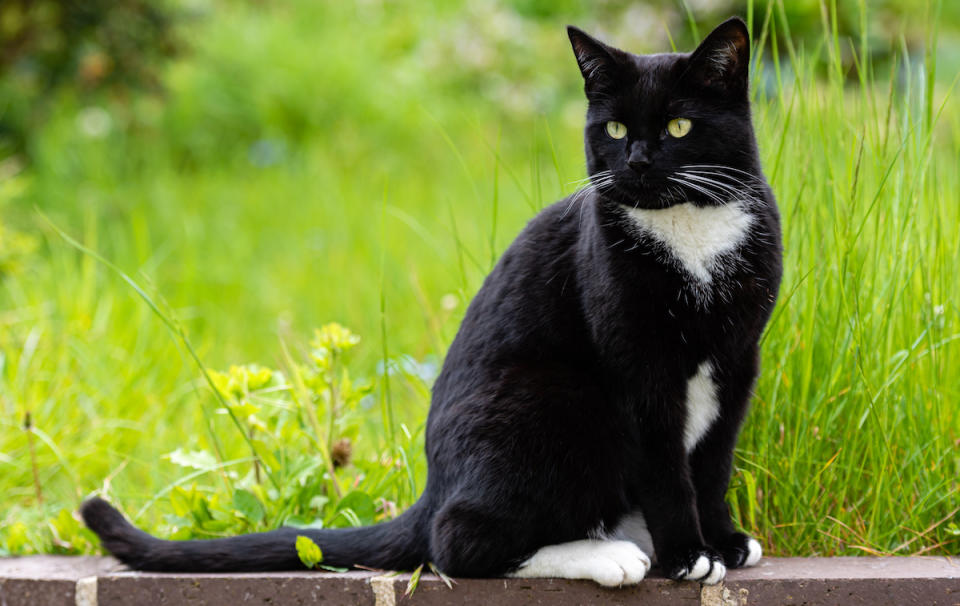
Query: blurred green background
[[263, 168], [234, 141]]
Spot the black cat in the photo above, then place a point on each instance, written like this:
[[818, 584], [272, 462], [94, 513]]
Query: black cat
[[588, 408]]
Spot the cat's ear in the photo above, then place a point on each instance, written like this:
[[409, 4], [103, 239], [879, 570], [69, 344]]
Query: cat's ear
[[598, 62], [722, 61]]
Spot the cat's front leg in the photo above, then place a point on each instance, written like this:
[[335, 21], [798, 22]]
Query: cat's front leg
[[711, 462], [668, 502], [712, 474]]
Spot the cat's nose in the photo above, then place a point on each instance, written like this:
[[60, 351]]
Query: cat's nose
[[639, 158]]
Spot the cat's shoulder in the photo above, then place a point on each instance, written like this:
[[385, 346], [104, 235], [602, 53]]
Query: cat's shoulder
[[558, 223]]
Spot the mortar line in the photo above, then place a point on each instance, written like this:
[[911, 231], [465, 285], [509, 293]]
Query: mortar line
[[384, 593], [85, 591]]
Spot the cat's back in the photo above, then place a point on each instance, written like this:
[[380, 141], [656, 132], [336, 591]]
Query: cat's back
[[541, 254], [528, 307]]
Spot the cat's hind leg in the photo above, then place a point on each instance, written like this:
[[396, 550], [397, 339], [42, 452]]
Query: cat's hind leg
[[471, 540]]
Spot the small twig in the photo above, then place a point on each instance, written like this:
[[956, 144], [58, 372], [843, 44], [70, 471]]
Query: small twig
[[870, 550], [334, 397], [930, 548], [256, 459], [28, 427], [856, 534], [362, 567]]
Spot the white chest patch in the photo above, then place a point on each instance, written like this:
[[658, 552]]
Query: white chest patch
[[702, 405], [696, 236]]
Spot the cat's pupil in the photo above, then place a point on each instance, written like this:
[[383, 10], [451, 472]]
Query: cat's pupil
[[679, 127], [616, 130]]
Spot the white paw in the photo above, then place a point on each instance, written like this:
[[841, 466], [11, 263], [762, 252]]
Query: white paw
[[609, 563], [630, 559], [754, 552], [716, 575], [604, 571], [706, 571], [699, 570]]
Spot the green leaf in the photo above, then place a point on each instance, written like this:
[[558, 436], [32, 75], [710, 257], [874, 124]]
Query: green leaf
[[446, 580], [195, 459], [319, 502], [181, 501], [216, 526], [244, 408], [751, 484], [17, 537], [332, 568], [249, 505], [414, 581], [308, 551], [299, 521], [265, 454], [201, 508], [361, 505]]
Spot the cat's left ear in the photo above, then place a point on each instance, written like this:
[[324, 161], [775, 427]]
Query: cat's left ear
[[722, 61]]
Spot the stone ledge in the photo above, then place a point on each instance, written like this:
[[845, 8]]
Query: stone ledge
[[93, 581]]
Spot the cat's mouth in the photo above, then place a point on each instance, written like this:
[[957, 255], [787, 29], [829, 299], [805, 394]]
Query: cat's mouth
[[650, 191], [708, 186]]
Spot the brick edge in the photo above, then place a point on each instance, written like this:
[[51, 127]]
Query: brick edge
[[63, 581]]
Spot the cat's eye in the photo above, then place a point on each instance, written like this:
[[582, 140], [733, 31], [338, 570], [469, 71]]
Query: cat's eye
[[616, 130], [679, 127]]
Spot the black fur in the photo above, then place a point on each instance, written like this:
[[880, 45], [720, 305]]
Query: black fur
[[561, 404]]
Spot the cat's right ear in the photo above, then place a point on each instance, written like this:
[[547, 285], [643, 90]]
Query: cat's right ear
[[598, 62]]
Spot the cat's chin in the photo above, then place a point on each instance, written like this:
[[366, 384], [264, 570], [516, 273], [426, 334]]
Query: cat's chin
[[656, 203], [648, 197], [646, 201], [652, 198]]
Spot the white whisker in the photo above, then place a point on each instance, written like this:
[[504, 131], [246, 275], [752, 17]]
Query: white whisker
[[755, 186], [598, 181], [721, 168], [698, 188], [717, 185]]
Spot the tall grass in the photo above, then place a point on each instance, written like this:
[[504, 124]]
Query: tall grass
[[852, 443], [370, 189]]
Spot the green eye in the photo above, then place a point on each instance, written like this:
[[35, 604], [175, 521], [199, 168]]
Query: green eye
[[679, 127], [616, 130]]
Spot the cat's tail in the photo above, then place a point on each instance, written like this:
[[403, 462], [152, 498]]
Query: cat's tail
[[400, 544]]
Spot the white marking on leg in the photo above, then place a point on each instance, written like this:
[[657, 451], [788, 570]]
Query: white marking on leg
[[702, 406], [754, 552], [609, 563]]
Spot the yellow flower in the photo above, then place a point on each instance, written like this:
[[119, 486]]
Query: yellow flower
[[335, 337], [330, 341]]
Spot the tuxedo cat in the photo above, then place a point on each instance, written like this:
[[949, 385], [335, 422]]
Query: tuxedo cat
[[585, 418]]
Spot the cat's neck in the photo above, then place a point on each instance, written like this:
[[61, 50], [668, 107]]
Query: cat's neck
[[697, 237]]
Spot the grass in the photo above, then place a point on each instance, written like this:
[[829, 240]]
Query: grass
[[375, 189]]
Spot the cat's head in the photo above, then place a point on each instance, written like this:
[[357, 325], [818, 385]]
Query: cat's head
[[669, 128]]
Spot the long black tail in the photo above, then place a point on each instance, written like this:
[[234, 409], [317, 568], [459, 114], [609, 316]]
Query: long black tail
[[399, 544]]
